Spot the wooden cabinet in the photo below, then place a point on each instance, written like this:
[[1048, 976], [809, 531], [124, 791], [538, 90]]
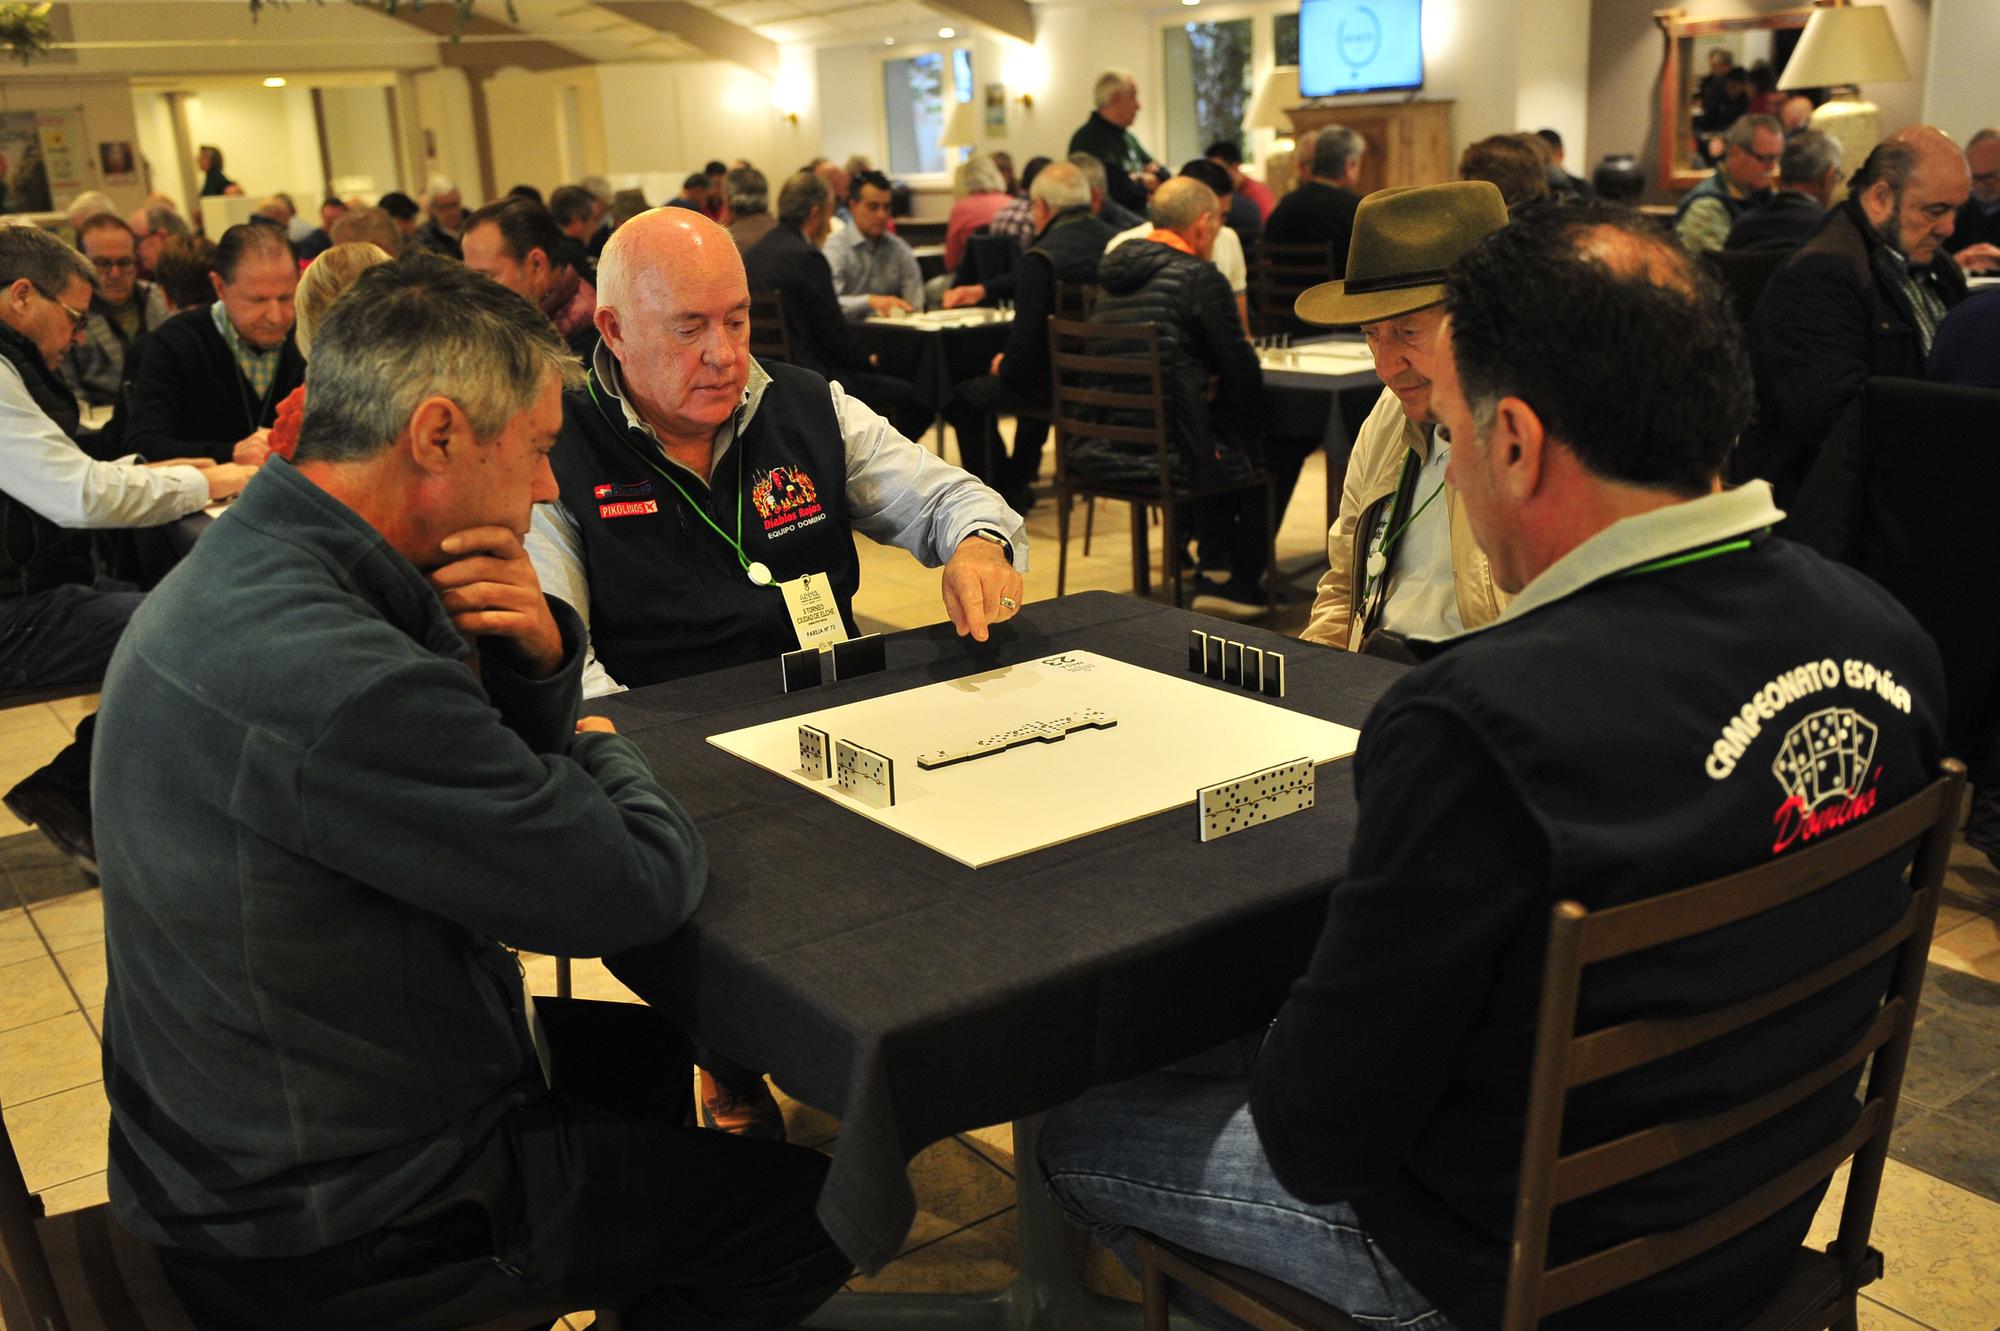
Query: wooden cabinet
[[1409, 143]]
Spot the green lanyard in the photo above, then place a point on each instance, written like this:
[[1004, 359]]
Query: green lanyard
[[754, 569], [1691, 557]]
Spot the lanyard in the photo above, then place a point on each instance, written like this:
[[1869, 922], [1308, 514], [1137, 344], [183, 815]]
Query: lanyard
[[1690, 557], [1374, 575], [753, 569]]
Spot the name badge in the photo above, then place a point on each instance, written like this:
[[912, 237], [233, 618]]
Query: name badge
[[814, 611]]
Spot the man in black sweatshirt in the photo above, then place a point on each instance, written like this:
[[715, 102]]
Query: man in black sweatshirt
[[1673, 695]]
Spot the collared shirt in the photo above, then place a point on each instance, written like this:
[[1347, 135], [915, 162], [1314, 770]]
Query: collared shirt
[[1016, 222], [884, 266], [1227, 255], [259, 367], [898, 493], [1661, 534], [1919, 292], [42, 467], [1422, 599]]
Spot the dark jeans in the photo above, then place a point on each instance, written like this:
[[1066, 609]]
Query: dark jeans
[[594, 1196], [973, 412], [63, 635]]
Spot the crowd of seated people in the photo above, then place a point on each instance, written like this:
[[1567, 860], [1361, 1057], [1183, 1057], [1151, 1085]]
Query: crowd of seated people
[[495, 460]]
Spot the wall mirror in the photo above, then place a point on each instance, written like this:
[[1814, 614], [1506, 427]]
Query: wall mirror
[[1699, 97]]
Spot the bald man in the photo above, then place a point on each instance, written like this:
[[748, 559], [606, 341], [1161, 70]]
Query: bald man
[[702, 490], [1863, 296]]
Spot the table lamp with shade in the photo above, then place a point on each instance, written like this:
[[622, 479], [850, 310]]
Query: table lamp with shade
[[1276, 95], [961, 128], [1841, 48]]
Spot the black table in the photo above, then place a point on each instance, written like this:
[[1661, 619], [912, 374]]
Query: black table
[[936, 357], [914, 998]]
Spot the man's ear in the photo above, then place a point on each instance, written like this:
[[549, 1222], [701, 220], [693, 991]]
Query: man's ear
[[609, 328], [439, 431], [215, 280], [1516, 448]]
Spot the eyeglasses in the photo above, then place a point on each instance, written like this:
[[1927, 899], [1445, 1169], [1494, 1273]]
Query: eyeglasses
[[114, 265], [1768, 159], [76, 317]]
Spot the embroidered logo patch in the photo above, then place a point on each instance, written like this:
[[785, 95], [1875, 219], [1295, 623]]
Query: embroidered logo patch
[[625, 490], [628, 508], [1826, 769], [786, 499]]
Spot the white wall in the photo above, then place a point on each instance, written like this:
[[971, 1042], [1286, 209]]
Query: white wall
[[155, 120], [359, 143], [444, 129], [107, 117], [269, 141], [1959, 97]]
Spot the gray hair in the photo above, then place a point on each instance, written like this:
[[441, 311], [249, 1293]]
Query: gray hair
[[1093, 172], [979, 175], [421, 327], [1060, 186], [47, 263], [1888, 162], [1335, 148], [747, 190], [801, 194], [1808, 156], [438, 185], [598, 186], [89, 204], [1109, 84], [1744, 132], [160, 218], [1179, 203]]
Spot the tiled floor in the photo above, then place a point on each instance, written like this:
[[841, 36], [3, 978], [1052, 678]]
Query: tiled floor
[[1939, 1220]]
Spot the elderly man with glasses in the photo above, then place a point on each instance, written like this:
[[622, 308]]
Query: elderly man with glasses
[[124, 307], [1749, 161]]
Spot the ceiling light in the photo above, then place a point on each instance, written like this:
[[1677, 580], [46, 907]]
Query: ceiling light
[[274, 82], [947, 33], [888, 41]]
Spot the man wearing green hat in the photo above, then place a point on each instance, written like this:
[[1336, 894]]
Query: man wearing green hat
[[1401, 558]]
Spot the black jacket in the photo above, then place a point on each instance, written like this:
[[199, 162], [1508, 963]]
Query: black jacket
[[190, 400], [1830, 318], [1784, 221], [1314, 214], [1121, 155], [1973, 226], [822, 340], [1068, 250], [1201, 334], [437, 240]]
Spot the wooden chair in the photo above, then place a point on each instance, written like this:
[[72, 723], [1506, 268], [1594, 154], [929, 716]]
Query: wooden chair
[[80, 1270], [1820, 1289], [1279, 274], [1098, 367], [770, 335], [1744, 274]]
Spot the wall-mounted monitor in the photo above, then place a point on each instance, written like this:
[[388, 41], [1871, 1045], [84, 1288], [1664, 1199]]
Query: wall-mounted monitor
[[1360, 46]]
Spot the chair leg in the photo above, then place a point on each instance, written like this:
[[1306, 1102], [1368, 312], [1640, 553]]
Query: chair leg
[[1270, 553], [1142, 575], [1089, 522], [1170, 550], [1063, 500], [1153, 1290], [562, 977]]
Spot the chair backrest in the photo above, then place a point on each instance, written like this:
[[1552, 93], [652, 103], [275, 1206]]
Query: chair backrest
[[1745, 273], [1565, 1060], [1279, 274], [1928, 463], [770, 336], [27, 1288], [1106, 383], [1076, 300], [987, 257]]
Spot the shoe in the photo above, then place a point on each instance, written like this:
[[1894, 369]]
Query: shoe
[[741, 1111], [62, 820], [1231, 600]]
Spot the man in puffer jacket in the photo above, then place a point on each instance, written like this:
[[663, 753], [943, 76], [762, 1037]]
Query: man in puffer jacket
[[1210, 376]]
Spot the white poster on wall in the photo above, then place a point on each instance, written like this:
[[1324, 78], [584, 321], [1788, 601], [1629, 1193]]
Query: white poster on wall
[[41, 159]]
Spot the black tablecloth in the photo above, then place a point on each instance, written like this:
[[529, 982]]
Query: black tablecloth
[[913, 997], [913, 352]]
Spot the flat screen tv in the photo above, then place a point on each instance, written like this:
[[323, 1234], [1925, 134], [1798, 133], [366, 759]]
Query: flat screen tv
[[1360, 46]]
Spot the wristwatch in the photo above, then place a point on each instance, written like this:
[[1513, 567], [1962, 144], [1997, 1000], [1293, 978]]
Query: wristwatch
[[988, 534]]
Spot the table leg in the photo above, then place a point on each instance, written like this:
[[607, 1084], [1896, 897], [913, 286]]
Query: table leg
[[1338, 445], [1048, 1293]]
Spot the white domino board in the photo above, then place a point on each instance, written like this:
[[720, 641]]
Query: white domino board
[[1174, 734]]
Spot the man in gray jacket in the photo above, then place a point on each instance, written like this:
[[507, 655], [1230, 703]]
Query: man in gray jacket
[[344, 766]]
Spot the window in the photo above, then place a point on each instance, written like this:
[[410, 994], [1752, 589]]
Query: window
[[1285, 38], [1208, 85], [919, 101]]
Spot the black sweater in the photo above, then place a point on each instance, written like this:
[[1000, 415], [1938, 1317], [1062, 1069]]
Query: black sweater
[[823, 341], [1582, 751], [190, 400]]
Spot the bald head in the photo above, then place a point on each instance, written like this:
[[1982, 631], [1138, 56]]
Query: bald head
[[1190, 210], [1910, 189], [673, 307]]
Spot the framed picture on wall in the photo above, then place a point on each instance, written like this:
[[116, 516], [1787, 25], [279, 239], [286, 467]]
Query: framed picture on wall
[[118, 164], [996, 110]]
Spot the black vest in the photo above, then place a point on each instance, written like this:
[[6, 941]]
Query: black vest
[[668, 596], [35, 554]]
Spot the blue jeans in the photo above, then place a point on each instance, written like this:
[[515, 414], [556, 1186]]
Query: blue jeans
[[63, 635], [1176, 1155]]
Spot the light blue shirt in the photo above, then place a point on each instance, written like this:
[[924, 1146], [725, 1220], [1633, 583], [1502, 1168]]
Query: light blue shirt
[[897, 494], [884, 266]]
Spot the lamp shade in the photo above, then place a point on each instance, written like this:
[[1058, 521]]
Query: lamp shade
[[961, 128], [1275, 95], [1852, 44]]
